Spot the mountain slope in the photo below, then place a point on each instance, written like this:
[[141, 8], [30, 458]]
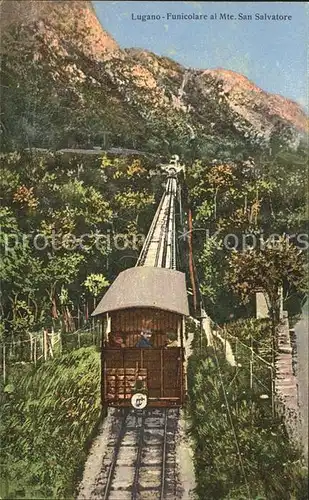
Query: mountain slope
[[248, 99], [61, 22], [73, 86]]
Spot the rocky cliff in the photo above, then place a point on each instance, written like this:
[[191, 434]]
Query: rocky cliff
[[72, 78]]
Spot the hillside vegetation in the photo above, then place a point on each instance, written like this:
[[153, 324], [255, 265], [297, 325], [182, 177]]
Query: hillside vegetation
[[48, 415], [240, 449]]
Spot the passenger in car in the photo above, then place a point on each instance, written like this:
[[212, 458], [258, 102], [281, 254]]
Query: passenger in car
[[117, 340], [144, 340], [171, 340]]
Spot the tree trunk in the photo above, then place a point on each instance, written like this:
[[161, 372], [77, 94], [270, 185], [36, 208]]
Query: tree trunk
[[275, 318], [71, 322], [54, 312], [65, 320], [191, 270]]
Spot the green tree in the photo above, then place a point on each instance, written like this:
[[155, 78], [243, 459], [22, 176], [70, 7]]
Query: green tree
[[95, 284], [278, 263]]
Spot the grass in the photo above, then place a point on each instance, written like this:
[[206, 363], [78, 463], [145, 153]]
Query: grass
[[240, 450], [48, 416]]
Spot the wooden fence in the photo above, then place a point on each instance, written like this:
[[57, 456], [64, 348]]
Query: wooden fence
[[46, 344]]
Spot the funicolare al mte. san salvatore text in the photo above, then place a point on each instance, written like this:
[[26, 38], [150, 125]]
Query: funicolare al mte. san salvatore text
[[218, 16]]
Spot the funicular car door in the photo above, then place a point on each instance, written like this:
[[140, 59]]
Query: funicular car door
[[122, 375], [159, 369]]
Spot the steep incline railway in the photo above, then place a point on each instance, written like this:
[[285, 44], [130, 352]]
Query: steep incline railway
[[141, 462], [144, 367], [144, 318], [159, 249]]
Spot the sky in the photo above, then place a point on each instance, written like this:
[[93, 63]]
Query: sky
[[273, 54]]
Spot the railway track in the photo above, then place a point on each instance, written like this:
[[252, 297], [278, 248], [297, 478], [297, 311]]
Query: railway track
[[159, 249], [140, 463], [136, 458]]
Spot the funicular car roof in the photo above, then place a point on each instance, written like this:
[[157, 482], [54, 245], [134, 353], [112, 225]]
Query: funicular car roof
[[155, 287]]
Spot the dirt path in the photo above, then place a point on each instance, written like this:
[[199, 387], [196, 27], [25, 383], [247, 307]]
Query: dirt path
[[229, 355], [301, 333]]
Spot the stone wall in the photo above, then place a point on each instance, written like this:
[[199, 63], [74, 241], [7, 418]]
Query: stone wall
[[286, 382]]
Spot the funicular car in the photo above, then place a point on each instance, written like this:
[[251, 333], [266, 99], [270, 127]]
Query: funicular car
[[143, 350]]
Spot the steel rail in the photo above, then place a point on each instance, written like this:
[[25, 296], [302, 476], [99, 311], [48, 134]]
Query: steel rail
[[111, 470], [154, 234], [135, 485], [149, 236], [159, 247], [174, 242], [164, 230], [163, 468], [169, 231]]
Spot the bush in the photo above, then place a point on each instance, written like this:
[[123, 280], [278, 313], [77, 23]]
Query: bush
[[240, 449], [47, 419]]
